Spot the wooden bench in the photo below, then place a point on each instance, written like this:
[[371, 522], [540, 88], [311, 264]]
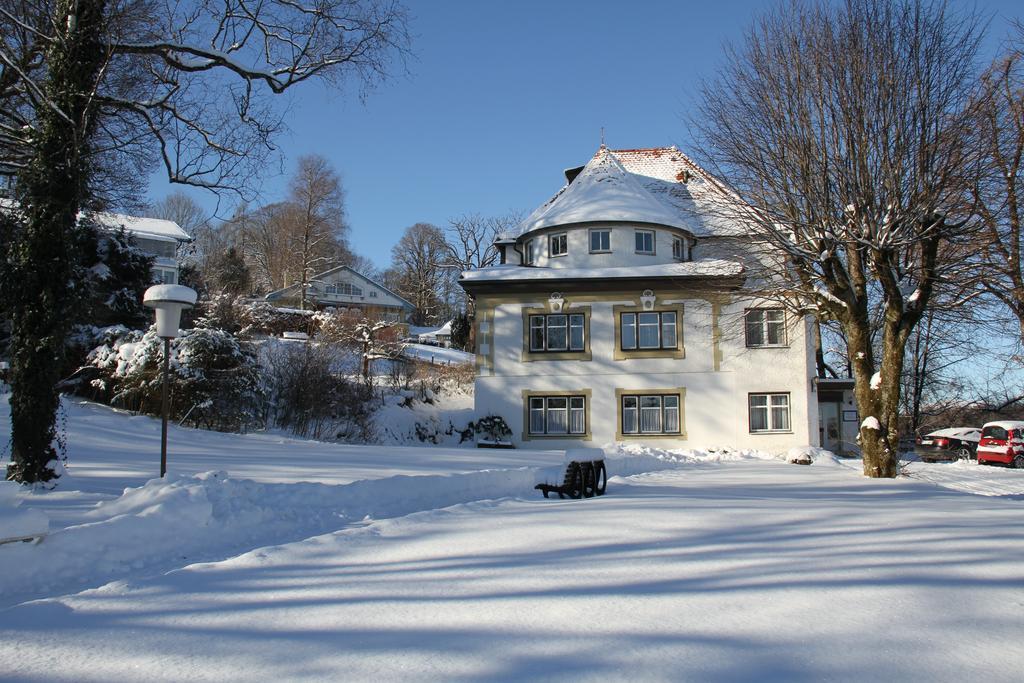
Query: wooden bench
[[584, 479]]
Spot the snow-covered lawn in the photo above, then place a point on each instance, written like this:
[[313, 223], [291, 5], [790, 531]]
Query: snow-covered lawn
[[693, 567], [437, 355]]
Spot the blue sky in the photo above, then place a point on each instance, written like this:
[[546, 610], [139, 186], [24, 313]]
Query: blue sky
[[500, 97]]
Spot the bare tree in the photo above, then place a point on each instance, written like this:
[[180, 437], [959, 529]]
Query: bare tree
[[469, 242], [842, 131], [418, 270], [317, 230], [1000, 189], [183, 210], [91, 90]]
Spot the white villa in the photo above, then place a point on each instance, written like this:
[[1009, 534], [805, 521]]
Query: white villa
[[616, 315]]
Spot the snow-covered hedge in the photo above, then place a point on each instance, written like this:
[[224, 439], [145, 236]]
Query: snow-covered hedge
[[214, 378]]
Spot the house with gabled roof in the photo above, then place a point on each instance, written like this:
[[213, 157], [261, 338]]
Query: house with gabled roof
[[347, 290], [618, 313]]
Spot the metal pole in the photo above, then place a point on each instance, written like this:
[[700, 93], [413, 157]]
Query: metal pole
[[163, 398]]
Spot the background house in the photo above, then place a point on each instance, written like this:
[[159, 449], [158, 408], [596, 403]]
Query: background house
[[155, 237], [346, 290]]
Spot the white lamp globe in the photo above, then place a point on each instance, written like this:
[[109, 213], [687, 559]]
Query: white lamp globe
[[169, 301]]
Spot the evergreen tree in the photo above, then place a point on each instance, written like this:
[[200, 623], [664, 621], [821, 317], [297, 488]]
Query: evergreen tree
[[119, 278], [461, 325], [231, 274]]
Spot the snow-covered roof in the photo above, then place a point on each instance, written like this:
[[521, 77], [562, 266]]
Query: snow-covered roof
[[142, 226], [658, 185], [136, 225], [969, 433], [603, 191], [704, 268]]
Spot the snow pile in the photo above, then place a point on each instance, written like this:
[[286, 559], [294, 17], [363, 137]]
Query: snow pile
[[209, 516], [813, 455], [407, 418], [17, 523], [871, 422], [689, 456]]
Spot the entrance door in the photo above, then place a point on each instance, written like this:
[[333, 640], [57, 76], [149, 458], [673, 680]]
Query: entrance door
[[828, 421]]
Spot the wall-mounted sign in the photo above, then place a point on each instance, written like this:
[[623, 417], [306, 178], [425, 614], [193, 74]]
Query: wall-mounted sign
[[849, 416]]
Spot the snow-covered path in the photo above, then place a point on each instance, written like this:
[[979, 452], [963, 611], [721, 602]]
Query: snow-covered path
[[749, 570]]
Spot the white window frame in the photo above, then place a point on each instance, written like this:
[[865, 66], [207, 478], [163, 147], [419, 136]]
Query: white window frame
[[654, 242], [772, 402], [542, 408], [765, 324], [635, 327], [558, 244], [530, 252], [657, 402], [600, 231], [571, 321]]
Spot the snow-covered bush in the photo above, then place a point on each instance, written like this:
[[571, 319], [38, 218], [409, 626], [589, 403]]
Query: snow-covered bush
[[432, 430], [260, 317], [489, 429], [214, 378], [245, 318], [312, 396]]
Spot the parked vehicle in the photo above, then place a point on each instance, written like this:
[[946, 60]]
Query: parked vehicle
[[954, 443], [1002, 442]]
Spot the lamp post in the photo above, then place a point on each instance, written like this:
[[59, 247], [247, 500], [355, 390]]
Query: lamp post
[[169, 301]]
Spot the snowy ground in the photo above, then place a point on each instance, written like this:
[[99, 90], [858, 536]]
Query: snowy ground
[[694, 567]]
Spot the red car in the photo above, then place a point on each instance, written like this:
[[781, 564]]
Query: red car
[[1002, 442]]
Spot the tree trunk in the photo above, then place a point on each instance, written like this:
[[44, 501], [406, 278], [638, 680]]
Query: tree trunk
[[51, 191], [878, 446]]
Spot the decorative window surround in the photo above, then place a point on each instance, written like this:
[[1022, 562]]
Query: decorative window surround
[[585, 394], [620, 393], [567, 310], [679, 351]]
